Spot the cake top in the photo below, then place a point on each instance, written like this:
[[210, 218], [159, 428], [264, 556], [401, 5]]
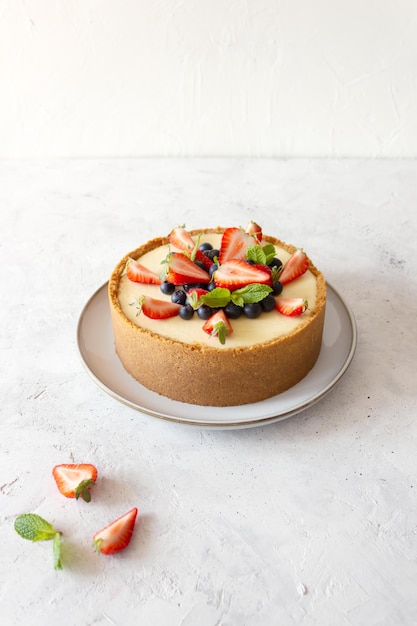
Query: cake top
[[216, 280]]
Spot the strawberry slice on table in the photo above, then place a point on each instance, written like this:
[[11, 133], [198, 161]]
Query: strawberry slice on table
[[235, 274], [296, 266], [218, 325], [158, 309], [183, 271], [181, 239], [75, 480], [255, 230], [234, 244], [116, 536], [138, 273], [291, 307]]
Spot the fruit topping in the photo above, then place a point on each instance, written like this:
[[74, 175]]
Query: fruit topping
[[236, 273], [255, 230], [181, 239], [182, 270], [157, 309], [296, 266], [194, 296], [138, 273], [117, 535], [234, 244], [75, 480], [218, 325], [290, 306]]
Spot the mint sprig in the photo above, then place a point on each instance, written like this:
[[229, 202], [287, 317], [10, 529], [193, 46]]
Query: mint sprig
[[250, 294], [261, 254], [33, 527], [220, 296]]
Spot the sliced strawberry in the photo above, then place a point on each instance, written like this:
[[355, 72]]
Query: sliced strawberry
[[138, 273], [255, 230], [183, 271], [290, 306], [117, 535], [194, 295], [75, 480], [234, 244], [181, 239], [218, 326], [235, 274], [158, 309], [296, 266]]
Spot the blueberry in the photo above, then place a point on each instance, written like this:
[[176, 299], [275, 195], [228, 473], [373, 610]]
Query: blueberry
[[200, 264], [213, 267], [167, 288], [275, 263], [186, 311], [211, 286], [233, 311], [212, 253], [268, 303], [204, 312], [252, 310], [205, 246], [179, 296], [277, 288]]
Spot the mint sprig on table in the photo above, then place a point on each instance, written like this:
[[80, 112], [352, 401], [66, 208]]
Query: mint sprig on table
[[33, 527], [220, 296]]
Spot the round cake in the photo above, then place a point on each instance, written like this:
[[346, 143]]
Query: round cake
[[217, 317]]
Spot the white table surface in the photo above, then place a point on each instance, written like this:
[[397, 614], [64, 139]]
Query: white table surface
[[309, 521]]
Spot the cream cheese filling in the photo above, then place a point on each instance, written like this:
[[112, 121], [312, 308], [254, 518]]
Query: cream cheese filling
[[246, 332]]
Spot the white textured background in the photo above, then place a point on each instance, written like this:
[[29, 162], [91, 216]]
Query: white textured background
[[196, 77]]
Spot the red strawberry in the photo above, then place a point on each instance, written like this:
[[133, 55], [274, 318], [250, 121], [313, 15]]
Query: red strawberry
[[75, 480], [255, 230], [234, 244], [296, 266], [290, 306], [181, 239], [158, 309], [140, 274], [235, 274], [194, 295], [183, 271], [218, 326], [117, 535]]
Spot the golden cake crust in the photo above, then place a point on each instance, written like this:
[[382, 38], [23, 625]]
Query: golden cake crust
[[204, 375]]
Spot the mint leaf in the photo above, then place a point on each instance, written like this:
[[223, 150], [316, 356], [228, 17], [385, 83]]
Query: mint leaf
[[217, 298], [256, 254], [254, 292], [33, 527], [269, 252], [57, 551]]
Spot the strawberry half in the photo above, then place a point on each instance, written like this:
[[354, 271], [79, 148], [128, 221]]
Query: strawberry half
[[296, 266], [140, 274], [235, 274], [183, 271], [218, 326], [290, 306], [158, 309], [117, 535], [75, 480], [255, 230], [234, 244], [181, 239], [194, 296]]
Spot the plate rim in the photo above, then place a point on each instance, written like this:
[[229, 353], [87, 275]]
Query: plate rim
[[250, 423]]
